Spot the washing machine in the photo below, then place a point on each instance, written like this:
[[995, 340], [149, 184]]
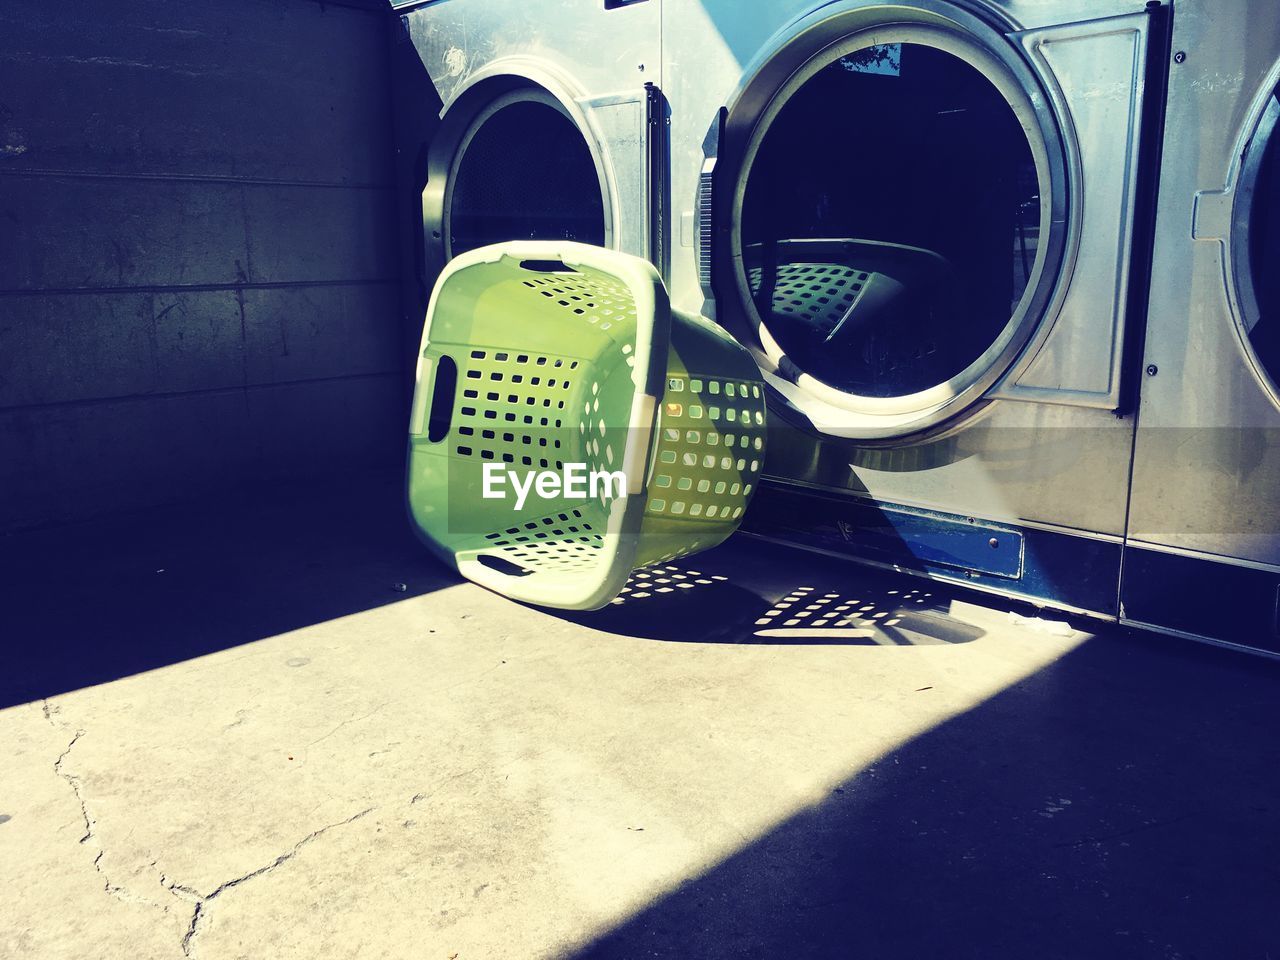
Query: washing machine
[[930, 222], [1203, 550], [524, 119]]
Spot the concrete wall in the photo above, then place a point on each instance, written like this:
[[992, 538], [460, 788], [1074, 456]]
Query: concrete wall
[[198, 252]]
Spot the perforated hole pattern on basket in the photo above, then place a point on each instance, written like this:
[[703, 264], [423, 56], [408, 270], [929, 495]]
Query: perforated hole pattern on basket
[[512, 408], [511, 400], [604, 444], [599, 300], [710, 448], [510, 404], [562, 542], [819, 293]]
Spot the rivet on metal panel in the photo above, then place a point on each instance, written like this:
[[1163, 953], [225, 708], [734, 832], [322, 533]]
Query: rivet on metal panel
[[1180, 56], [1152, 370]]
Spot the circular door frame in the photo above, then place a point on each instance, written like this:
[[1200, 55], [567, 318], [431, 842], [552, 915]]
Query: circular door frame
[[488, 91], [790, 60], [1262, 123]]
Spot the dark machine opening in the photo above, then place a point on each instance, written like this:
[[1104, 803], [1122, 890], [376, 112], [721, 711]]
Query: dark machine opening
[[526, 173], [890, 220], [1262, 316]]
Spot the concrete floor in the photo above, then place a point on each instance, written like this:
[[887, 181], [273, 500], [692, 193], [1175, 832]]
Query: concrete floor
[[227, 736]]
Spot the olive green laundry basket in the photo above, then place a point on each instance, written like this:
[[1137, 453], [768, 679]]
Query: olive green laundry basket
[[544, 363]]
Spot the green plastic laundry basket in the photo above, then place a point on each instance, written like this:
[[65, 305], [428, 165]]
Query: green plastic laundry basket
[[554, 360]]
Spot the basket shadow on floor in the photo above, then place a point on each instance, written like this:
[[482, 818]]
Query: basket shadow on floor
[[746, 591]]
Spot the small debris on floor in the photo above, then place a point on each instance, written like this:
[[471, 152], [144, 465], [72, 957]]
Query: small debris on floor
[[1055, 628]]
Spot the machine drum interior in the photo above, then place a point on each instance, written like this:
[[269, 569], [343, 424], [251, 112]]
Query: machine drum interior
[[525, 173], [890, 220]]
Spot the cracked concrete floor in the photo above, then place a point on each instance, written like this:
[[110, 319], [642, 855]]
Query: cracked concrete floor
[[265, 751]]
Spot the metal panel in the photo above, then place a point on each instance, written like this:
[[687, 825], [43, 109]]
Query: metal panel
[[1184, 595], [1066, 466], [657, 121], [926, 539], [1048, 567], [1207, 456], [620, 121], [1054, 464], [599, 51], [1096, 71]]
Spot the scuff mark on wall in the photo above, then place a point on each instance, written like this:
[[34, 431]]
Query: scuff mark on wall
[[455, 62], [13, 141]]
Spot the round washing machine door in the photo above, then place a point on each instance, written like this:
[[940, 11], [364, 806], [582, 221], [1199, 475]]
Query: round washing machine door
[[896, 197], [514, 162], [1255, 247]]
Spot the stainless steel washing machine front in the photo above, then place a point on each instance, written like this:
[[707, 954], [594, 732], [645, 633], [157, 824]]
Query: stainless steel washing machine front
[[1203, 554], [920, 218]]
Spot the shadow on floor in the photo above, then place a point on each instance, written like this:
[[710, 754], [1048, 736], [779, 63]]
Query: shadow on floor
[[747, 591], [90, 603], [1121, 803]]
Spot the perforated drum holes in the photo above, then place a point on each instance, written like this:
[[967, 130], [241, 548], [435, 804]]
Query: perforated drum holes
[[816, 294]]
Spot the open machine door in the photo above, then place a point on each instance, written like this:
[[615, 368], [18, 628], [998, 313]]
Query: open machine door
[[913, 209]]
